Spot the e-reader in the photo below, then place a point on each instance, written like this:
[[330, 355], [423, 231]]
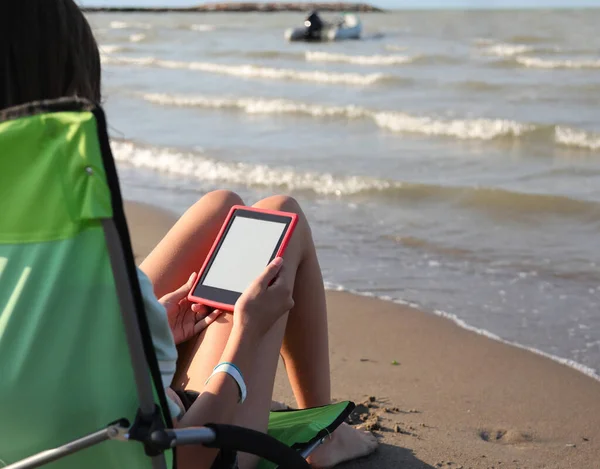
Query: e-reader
[[249, 240]]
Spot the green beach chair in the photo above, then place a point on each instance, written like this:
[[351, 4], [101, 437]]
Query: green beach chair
[[79, 380]]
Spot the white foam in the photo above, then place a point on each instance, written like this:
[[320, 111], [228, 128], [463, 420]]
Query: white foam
[[318, 56], [204, 28], [465, 129], [111, 48], [258, 105], [592, 373], [199, 167], [577, 138], [137, 37], [125, 25], [536, 62], [251, 71], [507, 50]]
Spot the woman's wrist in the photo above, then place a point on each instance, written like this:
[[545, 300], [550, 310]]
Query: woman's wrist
[[240, 349]]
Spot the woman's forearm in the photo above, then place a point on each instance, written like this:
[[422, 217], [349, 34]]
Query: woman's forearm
[[218, 400]]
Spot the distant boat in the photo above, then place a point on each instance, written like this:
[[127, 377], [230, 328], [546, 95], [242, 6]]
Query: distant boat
[[348, 27]]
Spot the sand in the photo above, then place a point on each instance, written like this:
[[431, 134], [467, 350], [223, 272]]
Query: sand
[[438, 395]]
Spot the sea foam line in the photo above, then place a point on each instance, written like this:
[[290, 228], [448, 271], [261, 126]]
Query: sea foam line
[[203, 28], [398, 122], [577, 138], [319, 56], [586, 370], [197, 166], [125, 25], [139, 37], [202, 168], [111, 48], [536, 62], [251, 71], [394, 121], [507, 50]]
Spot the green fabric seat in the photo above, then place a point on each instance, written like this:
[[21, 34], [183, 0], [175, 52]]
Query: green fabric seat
[[75, 350]]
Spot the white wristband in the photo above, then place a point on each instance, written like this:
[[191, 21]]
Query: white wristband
[[235, 373]]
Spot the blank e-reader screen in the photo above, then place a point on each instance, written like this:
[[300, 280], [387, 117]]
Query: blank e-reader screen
[[244, 253]]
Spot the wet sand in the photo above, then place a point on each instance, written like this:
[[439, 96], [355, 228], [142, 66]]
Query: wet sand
[[436, 394]]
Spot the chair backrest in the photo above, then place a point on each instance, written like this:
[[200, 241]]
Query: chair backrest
[[65, 363]]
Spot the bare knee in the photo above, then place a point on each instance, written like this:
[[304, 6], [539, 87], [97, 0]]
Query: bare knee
[[214, 205], [284, 203], [222, 198]]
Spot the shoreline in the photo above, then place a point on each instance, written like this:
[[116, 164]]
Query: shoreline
[[246, 7], [438, 394], [454, 319]]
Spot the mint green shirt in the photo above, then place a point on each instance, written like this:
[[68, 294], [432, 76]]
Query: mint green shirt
[[162, 337]]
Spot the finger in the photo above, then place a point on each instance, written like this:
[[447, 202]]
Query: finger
[[279, 278], [190, 283], [181, 292], [200, 308], [207, 321], [282, 289], [269, 274]]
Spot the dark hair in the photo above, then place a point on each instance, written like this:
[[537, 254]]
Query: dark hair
[[47, 51]]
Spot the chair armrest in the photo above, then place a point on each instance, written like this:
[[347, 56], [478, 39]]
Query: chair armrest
[[234, 438]]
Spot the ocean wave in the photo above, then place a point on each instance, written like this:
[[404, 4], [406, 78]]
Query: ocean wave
[[398, 122], [204, 28], [537, 62], [197, 166], [111, 48], [139, 37], [493, 202], [125, 25], [570, 137], [462, 129], [253, 71], [507, 50], [318, 56], [258, 105]]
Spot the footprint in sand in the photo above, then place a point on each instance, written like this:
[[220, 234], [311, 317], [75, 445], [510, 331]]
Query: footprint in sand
[[505, 437]]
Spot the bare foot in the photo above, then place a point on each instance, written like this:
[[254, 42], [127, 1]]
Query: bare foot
[[345, 443]]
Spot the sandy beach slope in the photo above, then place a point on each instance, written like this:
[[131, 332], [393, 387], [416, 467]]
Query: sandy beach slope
[[436, 394]]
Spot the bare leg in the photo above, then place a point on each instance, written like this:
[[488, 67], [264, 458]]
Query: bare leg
[[305, 349]]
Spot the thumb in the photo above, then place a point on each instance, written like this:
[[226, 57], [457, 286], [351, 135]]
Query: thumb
[[269, 274], [182, 291]]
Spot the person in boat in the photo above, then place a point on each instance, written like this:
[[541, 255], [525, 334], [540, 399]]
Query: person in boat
[[313, 23]]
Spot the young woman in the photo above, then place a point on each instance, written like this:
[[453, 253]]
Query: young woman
[[47, 51]]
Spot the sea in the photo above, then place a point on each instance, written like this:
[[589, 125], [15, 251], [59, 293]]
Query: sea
[[449, 160]]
